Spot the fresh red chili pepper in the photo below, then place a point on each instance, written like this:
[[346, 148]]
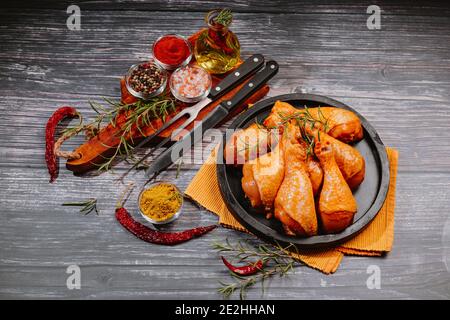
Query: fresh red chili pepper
[[247, 270], [50, 157], [158, 237]]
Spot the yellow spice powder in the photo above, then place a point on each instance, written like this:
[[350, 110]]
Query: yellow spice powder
[[160, 202]]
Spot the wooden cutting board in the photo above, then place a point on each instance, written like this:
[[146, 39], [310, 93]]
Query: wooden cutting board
[[94, 151]]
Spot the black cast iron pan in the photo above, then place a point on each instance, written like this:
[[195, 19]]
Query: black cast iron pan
[[370, 195]]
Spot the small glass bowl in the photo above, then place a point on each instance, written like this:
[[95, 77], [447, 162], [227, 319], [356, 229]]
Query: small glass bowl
[[141, 95], [172, 218], [172, 66], [182, 98]]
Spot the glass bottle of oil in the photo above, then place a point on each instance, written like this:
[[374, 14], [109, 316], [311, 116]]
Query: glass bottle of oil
[[217, 49]]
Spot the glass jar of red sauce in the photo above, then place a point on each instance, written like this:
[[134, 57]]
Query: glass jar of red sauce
[[172, 51]]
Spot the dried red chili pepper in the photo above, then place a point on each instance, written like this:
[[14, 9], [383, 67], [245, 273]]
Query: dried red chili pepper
[[247, 270], [158, 237], [220, 41], [50, 157]]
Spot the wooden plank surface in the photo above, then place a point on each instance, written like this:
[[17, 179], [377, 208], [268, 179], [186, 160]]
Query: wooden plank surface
[[397, 77]]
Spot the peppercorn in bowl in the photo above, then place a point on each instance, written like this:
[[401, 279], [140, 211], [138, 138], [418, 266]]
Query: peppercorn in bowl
[[146, 80]]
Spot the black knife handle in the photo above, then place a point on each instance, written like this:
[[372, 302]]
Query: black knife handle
[[250, 66], [253, 85]]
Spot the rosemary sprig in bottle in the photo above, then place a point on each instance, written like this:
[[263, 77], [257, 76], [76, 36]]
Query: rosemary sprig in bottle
[[224, 17], [276, 261]]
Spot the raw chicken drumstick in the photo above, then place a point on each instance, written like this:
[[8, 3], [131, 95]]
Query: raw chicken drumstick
[[255, 141], [262, 177], [341, 124], [349, 160], [248, 144], [294, 204], [312, 165], [337, 206]]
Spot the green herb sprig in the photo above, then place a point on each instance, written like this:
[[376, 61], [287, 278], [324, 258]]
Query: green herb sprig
[[87, 206], [304, 120], [276, 261], [138, 115], [224, 17]]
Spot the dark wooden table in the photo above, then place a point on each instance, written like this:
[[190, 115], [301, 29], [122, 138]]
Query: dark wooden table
[[398, 77]]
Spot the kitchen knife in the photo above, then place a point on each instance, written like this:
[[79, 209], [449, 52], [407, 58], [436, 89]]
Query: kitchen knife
[[175, 151]]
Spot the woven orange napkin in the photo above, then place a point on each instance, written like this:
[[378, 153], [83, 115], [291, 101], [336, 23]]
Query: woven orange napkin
[[374, 240]]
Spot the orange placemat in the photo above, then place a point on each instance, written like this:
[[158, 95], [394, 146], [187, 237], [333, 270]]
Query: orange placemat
[[377, 238]]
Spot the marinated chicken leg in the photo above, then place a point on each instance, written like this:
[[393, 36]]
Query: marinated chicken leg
[[341, 124], [349, 160], [312, 165], [315, 173], [248, 144], [262, 178], [294, 204], [337, 206], [280, 111]]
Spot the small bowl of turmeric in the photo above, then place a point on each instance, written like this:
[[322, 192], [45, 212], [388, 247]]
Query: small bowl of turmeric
[[160, 202]]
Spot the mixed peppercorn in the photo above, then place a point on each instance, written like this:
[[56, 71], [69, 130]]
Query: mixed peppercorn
[[146, 78]]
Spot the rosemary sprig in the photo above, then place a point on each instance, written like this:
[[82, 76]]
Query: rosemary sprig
[[121, 151], [132, 160], [87, 206], [224, 17], [322, 119], [304, 120], [276, 259], [137, 116], [309, 140], [243, 283], [252, 149]]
